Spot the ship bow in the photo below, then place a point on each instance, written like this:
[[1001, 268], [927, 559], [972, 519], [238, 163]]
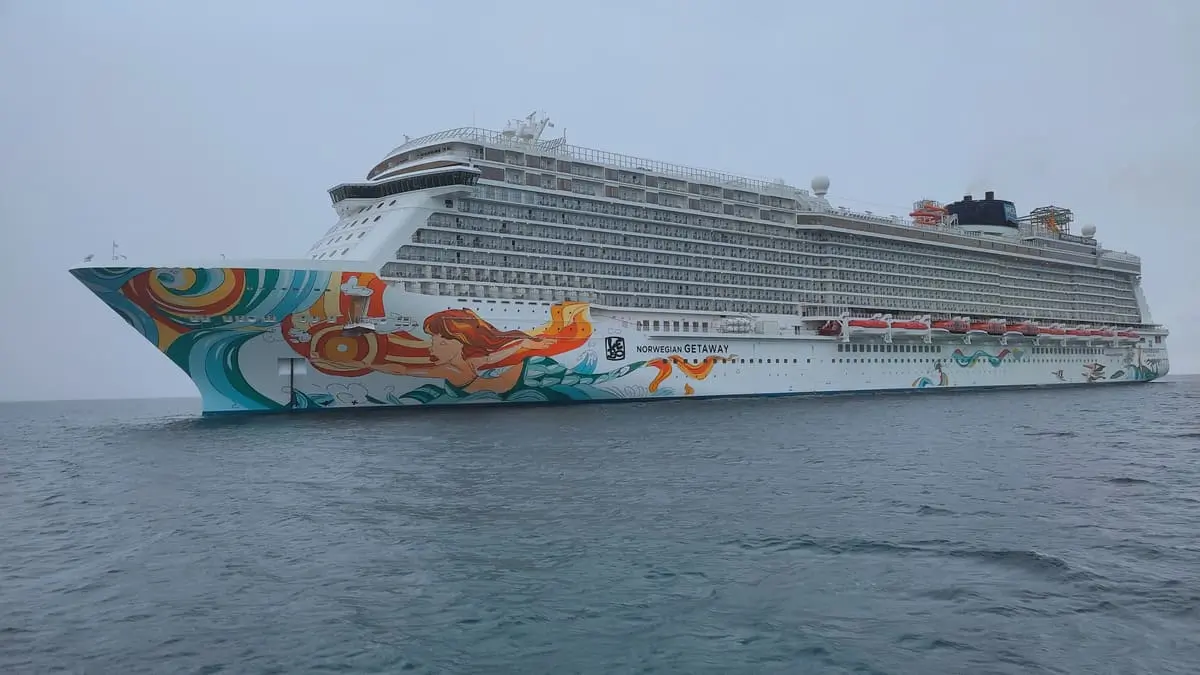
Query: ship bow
[[108, 284], [218, 325]]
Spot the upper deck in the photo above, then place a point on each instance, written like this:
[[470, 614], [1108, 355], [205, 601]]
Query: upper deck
[[519, 156], [504, 140]]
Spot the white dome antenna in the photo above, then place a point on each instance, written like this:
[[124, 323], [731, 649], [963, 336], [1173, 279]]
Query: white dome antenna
[[1088, 231], [820, 185]]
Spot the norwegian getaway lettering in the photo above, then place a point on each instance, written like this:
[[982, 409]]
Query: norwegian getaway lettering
[[691, 348]]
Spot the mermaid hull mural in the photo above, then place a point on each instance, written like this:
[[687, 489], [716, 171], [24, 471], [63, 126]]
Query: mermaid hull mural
[[276, 339], [273, 339]]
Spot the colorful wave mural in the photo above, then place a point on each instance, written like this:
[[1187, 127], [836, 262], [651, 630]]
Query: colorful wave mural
[[203, 320], [1140, 370], [939, 379], [982, 356]]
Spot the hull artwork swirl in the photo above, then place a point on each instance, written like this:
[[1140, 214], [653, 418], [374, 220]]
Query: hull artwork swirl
[[270, 339], [264, 339]]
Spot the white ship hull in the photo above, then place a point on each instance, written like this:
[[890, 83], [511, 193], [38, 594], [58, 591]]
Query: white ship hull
[[258, 339]]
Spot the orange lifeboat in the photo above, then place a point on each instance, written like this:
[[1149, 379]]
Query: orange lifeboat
[[958, 325], [1026, 328], [910, 324], [878, 324], [991, 327]]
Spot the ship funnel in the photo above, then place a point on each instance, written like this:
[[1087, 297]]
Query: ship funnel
[[989, 195]]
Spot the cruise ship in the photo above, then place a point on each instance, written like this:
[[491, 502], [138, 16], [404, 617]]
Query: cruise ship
[[473, 266]]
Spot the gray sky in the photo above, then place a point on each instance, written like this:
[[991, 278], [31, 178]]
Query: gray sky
[[206, 128]]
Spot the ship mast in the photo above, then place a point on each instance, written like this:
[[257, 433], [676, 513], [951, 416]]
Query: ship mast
[[528, 130]]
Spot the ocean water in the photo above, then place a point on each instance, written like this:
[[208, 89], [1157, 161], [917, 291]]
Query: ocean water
[[998, 532]]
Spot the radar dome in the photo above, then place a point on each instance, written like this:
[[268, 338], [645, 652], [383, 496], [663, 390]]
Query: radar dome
[[820, 185], [1088, 230]]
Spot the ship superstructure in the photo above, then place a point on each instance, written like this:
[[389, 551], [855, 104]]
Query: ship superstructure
[[623, 277]]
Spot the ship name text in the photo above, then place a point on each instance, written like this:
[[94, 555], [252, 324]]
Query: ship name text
[[688, 348]]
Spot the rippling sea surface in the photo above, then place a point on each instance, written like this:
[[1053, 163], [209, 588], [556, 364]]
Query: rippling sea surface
[[1000, 532]]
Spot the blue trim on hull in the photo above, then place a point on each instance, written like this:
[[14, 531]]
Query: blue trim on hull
[[975, 389]]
